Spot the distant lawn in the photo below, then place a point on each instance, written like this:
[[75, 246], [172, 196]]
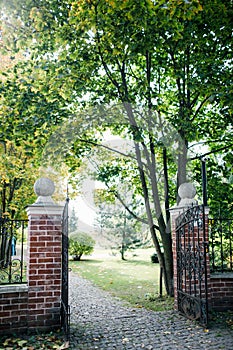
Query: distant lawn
[[135, 280]]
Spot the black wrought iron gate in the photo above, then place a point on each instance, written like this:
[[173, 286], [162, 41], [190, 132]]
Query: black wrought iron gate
[[65, 308], [191, 264]]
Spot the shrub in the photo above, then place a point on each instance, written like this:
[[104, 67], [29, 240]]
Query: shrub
[[154, 258], [80, 243]]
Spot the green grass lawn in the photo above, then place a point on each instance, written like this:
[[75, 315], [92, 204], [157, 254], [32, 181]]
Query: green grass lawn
[[135, 280]]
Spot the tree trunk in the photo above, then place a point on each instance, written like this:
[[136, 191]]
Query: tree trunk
[[162, 228], [77, 257], [182, 164], [122, 251], [165, 260]]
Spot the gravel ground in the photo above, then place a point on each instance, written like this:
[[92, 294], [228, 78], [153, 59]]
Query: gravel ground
[[100, 321]]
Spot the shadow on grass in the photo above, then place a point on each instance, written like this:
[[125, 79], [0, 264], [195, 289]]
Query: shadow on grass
[[86, 260], [140, 262], [126, 261]]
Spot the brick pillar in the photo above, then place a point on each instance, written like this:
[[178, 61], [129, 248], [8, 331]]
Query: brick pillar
[[44, 264]]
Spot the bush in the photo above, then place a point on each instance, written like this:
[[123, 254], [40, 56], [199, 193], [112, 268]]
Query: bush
[[154, 258], [80, 243]]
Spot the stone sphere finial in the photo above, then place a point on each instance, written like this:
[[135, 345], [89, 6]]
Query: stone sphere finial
[[187, 192], [44, 188]]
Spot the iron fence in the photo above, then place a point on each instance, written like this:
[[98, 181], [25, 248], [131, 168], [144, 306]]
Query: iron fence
[[65, 308], [12, 251], [221, 245], [191, 262]]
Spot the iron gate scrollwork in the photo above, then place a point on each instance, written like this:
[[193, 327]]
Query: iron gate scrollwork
[[12, 248], [65, 308], [191, 264]]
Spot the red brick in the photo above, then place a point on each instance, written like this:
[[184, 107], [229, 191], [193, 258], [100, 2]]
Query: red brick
[[57, 250], [57, 293], [44, 282], [33, 227], [45, 238], [32, 283], [46, 228], [40, 221], [4, 314], [36, 308], [47, 260], [44, 294], [33, 249], [15, 306], [4, 301], [13, 319], [41, 248], [45, 271], [55, 255]]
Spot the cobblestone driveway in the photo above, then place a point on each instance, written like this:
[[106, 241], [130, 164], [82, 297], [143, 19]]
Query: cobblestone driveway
[[99, 321]]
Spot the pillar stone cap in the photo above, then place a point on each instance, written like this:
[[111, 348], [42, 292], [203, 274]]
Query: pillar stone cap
[[44, 189], [48, 210], [187, 192]]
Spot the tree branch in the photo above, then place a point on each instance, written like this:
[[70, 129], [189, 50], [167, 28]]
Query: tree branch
[[213, 151], [116, 194], [200, 107], [109, 149]]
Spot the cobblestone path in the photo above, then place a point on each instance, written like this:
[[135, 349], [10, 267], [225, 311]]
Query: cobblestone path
[[99, 321]]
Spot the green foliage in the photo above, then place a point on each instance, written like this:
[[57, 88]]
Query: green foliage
[[122, 231], [171, 59], [80, 244], [16, 178], [28, 118], [102, 196], [125, 228], [219, 186]]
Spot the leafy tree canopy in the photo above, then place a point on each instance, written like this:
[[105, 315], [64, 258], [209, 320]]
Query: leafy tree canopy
[[171, 59]]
